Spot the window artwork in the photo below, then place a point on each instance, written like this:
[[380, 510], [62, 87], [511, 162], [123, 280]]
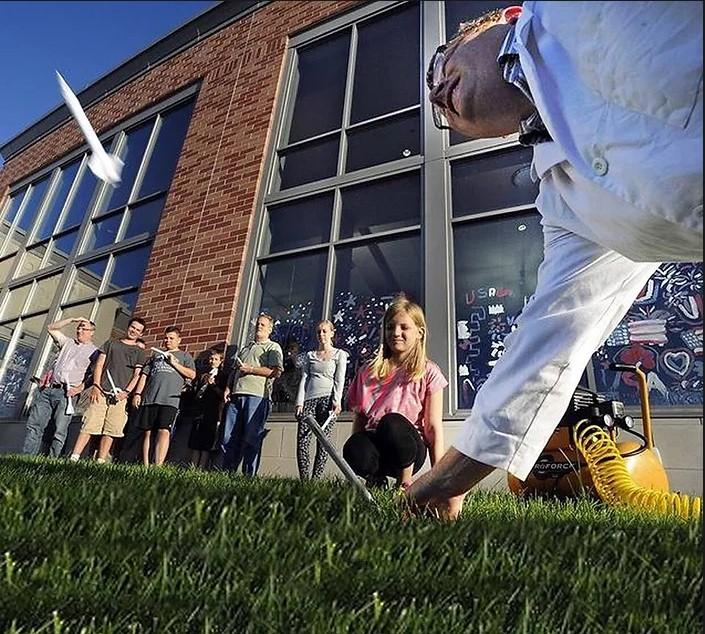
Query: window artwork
[[663, 331], [492, 285]]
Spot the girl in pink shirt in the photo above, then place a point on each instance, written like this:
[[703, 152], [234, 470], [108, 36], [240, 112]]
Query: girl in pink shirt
[[397, 400]]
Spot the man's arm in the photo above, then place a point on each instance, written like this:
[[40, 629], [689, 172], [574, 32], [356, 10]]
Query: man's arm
[[55, 328], [137, 395], [97, 377]]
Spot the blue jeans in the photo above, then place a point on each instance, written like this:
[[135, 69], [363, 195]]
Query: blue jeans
[[49, 404], [244, 432]]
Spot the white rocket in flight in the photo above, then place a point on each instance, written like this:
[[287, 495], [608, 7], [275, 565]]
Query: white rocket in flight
[[106, 167]]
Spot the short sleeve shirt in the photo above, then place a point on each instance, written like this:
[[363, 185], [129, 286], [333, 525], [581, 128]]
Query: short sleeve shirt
[[121, 359], [373, 398], [164, 383], [259, 354], [73, 360]]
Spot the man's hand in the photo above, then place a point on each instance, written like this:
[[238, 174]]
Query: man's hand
[[72, 391], [226, 395], [246, 368], [121, 395], [210, 379], [95, 393]]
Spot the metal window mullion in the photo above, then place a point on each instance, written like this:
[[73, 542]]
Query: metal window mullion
[[329, 281], [82, 167], [378, 235], [347, 102], [382, 118], [44, 206]]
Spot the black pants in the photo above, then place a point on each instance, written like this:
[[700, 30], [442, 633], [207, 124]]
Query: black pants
[[386, 451]]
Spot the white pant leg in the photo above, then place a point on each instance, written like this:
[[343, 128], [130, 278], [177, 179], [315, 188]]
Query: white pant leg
[[582, 293]]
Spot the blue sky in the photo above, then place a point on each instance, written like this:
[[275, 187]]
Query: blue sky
[[83, 40]]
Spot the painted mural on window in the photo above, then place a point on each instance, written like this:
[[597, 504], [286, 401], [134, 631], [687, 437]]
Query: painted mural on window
[[663, 331]]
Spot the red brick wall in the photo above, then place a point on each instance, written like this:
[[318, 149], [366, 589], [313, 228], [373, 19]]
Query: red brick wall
[[193, 275]]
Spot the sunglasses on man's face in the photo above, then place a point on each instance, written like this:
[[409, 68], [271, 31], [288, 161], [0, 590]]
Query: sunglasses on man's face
[[434, 77]]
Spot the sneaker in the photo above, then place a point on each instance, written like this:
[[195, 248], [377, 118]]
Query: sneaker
[[377, 482], [74, 457]]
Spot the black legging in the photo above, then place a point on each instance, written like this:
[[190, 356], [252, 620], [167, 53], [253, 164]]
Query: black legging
[[387, 450]]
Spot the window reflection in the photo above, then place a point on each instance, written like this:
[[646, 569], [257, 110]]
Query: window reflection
[[81, 200], [32, 260], [320, 88], [102, 232], [144, 218], [44, 294], [493, 181], [367, 278], [16, 301], [310, 162], [493, 281], [132, 154], [29, 213], [88, 279], [385, 141], [129, 268], [113, 316], [6, 267], [302, 223], [381, 205], [51, 214], [387, 65], [167, 150], [290, 291], [61, 248], [9, 216]]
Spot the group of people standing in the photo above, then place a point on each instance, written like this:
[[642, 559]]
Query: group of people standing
[[134, 395]]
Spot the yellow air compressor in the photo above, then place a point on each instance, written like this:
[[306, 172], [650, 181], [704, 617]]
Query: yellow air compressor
[[583, 455]]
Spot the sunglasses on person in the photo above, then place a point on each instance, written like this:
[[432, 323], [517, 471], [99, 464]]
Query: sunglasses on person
[[435, 73]]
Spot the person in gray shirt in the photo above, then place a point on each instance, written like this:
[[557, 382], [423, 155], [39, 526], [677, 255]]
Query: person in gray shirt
[[320, 393], [158, 392]]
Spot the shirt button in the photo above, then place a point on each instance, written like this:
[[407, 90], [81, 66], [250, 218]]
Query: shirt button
[[600, 166]]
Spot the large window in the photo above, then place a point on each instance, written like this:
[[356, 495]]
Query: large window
[[365, 198], [72, 246]]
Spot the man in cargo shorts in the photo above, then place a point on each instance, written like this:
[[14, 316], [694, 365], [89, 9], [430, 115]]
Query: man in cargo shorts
[[115, 375]]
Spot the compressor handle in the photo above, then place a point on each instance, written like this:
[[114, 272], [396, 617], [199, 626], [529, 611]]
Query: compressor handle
[[643, 398]]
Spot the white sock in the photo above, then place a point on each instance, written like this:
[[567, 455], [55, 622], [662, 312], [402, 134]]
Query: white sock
[[101, 460], [74, 457]]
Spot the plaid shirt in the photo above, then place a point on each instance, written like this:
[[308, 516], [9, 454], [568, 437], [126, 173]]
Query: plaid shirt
[[532, 131]]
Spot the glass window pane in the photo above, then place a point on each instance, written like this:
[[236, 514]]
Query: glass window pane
[[367, 277], [51, 214], [381, 205], [6, 331], [36, 197], [311, 162], [132, 154], [102, 232], [44, 294], [11, 393], [321, 71], [663, 330], [61, 248], [167, 150], [87, 279], [5, 267], [113, 316], [79, 310], [493, 181], [493, 281], [15, 301], [81, 200], [32, 260], [299, 224], [291, 290], [129, 268], [387, 69], [9, 215], [389, 140], [144, 218]]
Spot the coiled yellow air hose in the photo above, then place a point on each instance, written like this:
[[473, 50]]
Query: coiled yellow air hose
[[615, 485]]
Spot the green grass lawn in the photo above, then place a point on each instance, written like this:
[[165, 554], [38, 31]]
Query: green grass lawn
[[99, 548]]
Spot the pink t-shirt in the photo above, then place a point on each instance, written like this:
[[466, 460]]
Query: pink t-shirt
[[398, 394]]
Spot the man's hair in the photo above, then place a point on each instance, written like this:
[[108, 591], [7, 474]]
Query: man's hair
[[215, 353], [174, 329], [137, 320], [479, 24], [268, 317]]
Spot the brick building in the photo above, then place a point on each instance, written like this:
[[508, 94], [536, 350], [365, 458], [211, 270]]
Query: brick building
[[279, 156]]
